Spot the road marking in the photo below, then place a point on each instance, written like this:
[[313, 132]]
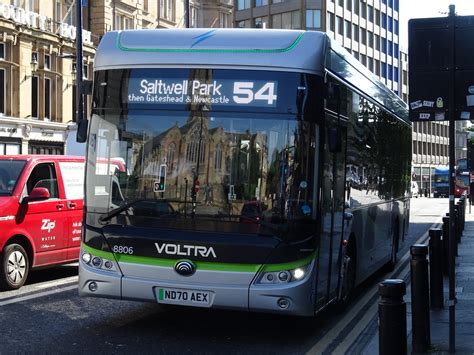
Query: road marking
[[58, 282], [332, 335], [37, 295]]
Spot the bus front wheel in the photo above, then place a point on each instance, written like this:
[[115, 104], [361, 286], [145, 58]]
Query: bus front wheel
[[14, 267]]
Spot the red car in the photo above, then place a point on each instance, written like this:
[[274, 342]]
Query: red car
[[41, 201]]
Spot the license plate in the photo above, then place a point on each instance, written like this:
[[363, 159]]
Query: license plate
[[184, 297]]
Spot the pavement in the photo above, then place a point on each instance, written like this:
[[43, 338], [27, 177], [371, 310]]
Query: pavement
[[368, 342]]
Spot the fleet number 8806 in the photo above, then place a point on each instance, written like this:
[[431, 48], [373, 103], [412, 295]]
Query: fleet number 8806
[[120, 249]]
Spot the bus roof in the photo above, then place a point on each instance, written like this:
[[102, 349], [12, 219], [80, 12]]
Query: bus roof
[[253, 49]]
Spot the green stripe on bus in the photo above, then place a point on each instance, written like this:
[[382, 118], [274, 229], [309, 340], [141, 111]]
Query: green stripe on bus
[[195, 50], [200, 265], [289, 265]]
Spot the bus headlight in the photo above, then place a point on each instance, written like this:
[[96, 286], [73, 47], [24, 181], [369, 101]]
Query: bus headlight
[[284, 276], [98, 262]]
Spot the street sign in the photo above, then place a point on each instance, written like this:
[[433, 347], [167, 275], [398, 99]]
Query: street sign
[[430, 68]]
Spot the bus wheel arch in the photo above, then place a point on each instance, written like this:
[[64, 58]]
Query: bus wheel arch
[[18, 253]]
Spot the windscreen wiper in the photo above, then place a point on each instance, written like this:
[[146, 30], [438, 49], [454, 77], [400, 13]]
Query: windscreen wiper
[[116, 211]]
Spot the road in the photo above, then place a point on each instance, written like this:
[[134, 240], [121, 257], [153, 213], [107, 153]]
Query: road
[[47, 315]]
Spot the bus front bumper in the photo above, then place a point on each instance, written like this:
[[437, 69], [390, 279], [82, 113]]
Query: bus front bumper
[[228, 292]]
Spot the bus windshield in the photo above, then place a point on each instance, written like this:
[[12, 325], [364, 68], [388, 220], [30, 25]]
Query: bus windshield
[[236, 171]]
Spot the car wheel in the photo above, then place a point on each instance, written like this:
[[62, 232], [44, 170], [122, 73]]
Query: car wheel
[[14, 267]]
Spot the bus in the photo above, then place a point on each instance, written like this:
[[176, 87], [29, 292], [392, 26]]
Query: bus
[[236, 195], [441, 181], [462, 180]]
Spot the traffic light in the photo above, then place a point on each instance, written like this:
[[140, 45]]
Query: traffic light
[[160, 185]]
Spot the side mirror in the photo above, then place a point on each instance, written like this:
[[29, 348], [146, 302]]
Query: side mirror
[[37, 194]]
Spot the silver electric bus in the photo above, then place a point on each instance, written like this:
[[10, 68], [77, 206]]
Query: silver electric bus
[[263, 170]]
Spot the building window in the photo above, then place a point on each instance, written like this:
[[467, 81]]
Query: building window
[[313, 19], [384, 45], [340, 3], [370, 11], [390, 3], [47, 62], [330, 18], [167, 10], [45, 148], [363, 59], [2, 92], [170, 156], [348, 27], [123, 22], [47, 99], [356, 7], [377, 17], [395, 75], [390, 72], [287, 20], [2, 51], [242, 4], [58, 11], [34, 96], [85, 71], [396, 5], [384, 21], [363, 36], [370, 64], [261, 22], [145, 5], [261, 2], [395, 27], [71, 12], [370, 40], [243, 24], [340, 25], [355, 31], [218, 158], [377, 67], [363, 10], [349, 5], [194, 17], [377, 42], [390, 23], [384, 70], [390, 48], [224, 20]]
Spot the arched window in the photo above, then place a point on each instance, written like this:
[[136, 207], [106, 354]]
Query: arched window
[[170, 156], [218, 157], [196, 147]]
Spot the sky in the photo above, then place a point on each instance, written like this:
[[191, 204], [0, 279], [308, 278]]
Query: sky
[[429, 8]]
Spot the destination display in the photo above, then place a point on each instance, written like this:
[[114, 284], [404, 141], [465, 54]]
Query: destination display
[[256, 93], [223, 90]]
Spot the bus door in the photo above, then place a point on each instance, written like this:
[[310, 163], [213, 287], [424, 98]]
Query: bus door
[[332, 208]]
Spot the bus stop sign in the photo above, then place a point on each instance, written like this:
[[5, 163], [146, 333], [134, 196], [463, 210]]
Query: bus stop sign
[[429, 68]]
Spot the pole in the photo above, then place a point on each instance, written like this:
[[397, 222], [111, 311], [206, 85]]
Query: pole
[[392, 318], [420, 298], [436, 268], [79, 86], [452, 223], [186, 10]]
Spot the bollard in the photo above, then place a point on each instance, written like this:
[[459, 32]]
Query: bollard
[[445, 245], [420, 299], [392, 318], [436, 269]]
